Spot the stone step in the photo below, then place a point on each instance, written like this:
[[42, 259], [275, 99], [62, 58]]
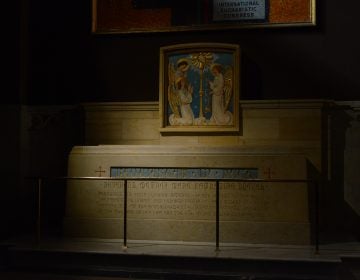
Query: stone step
[[167, 265]]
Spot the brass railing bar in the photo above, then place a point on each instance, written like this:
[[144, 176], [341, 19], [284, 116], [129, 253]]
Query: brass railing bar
[[180, 179], [217, 180]]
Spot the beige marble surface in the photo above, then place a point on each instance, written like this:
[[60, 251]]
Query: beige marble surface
[[300, 125], [254, 212]]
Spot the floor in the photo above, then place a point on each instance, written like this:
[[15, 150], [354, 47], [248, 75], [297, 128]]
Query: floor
[[328, 252]]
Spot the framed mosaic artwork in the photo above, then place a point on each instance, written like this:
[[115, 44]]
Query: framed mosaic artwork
[[199, 87]]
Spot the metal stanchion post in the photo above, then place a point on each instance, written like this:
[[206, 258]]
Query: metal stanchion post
[[217, 215], [317, 228], [38, 230], [125, 216]]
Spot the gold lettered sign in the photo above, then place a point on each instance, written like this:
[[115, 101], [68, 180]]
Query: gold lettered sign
[[139, 16]]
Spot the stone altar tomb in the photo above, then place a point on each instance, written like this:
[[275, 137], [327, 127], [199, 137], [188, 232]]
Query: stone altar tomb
[[178, 209]]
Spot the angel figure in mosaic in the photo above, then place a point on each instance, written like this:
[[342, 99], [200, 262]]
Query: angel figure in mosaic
[[221, 90], [180, 94]]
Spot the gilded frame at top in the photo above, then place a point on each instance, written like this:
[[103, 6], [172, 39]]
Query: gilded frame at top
[[119, 16], [199, 88]]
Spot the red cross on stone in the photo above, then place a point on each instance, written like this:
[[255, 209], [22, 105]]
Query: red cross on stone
[[269, 173], [100, 171]]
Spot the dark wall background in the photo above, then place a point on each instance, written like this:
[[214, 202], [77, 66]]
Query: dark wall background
[[67, 64]]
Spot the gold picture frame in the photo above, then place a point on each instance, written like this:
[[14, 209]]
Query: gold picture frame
[[144, 16], [199, 88]]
